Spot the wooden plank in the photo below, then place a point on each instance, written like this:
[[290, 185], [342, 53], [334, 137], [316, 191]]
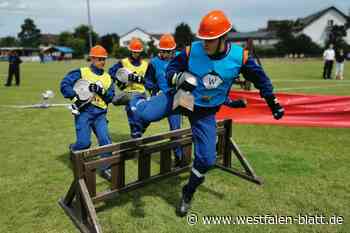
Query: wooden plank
[[103, 162], [89, 206], [220, 148], [234, 171], [244, 162], [167, 145], [73, 216], [227, 158], [78, 166], [144, 166], [137, 143], [90, 179], [70, 194], [187, 154], [165, 161], [132, 143], [118, 174]]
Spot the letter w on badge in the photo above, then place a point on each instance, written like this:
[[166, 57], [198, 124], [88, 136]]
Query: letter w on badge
[[212, 81]]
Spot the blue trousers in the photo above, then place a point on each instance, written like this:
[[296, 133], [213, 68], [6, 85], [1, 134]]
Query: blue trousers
[[174, 121], [203, 125], [92, 119]]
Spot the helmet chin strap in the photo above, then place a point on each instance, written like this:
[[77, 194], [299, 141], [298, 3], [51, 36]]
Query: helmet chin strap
[[217, 51]]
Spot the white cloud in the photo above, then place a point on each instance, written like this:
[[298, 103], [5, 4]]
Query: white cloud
[[12, 5]]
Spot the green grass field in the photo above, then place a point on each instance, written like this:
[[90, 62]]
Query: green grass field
[[306, 170]]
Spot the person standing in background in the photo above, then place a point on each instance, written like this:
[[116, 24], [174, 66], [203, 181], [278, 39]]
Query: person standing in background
[[339, 64], [328, 56], [14, 62]]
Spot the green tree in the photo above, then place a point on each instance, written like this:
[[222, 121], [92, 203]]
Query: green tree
[[30, 34], [120, 52], [78, 45], [336, 35], [304, 44], [82, 32], [108, 41], [284, 31], [183, 35], [64, 38], [8, 41], [152, 49]]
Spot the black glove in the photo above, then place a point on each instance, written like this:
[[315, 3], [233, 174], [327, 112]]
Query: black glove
[[93, 87], [276, 109], [135, 78], [240, 103], [78, 105], [121, 85]]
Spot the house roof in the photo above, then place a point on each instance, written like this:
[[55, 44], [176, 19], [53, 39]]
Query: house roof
[[304, 22], [157, 35], [140, 29], [61, 49], [261, 34]]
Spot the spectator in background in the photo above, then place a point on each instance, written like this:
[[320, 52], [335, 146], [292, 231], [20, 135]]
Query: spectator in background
[[328, 56], [41, 56], [339, 64], [14, 62]]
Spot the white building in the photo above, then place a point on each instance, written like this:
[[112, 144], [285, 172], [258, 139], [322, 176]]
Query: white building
[[138, 33], [316, 26]]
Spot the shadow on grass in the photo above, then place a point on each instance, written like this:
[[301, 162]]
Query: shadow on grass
[[168, 190]]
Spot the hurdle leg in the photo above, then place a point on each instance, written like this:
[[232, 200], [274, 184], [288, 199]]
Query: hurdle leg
[[165, 161], [144, 166]]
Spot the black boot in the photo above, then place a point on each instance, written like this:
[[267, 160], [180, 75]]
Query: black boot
[[184, 204], [187, 193], [106, 174], [179, 161]]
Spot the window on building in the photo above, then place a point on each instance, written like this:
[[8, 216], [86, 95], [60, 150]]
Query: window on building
[[330, 23]]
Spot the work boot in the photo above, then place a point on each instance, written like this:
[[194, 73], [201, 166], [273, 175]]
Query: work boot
[[106, 174], [179, 162], [184, 204]]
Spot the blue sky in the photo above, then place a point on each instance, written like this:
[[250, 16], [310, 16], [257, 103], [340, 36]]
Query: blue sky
[[155, 16]]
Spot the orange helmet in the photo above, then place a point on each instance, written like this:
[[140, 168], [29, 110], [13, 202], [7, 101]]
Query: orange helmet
[[135, 45], [214, 25], [98, 51], [167, 42]]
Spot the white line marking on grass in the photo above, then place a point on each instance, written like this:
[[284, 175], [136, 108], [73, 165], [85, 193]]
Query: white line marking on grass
[[308, 81], [310, 88], [35, 106]]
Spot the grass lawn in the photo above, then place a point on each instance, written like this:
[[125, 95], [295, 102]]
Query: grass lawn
[[306, 170]]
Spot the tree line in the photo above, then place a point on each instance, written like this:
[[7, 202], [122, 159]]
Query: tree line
[[78, 40], [30, 36]]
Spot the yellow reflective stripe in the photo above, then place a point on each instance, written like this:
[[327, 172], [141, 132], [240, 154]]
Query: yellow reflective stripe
[[104, 80], [139, 70]]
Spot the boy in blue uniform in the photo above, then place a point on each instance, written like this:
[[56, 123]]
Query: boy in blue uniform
[[135, 86], [155, 81], [215, 64], [91, 117]]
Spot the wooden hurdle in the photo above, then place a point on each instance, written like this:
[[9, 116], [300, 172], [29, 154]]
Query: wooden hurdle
[[81, 196]]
